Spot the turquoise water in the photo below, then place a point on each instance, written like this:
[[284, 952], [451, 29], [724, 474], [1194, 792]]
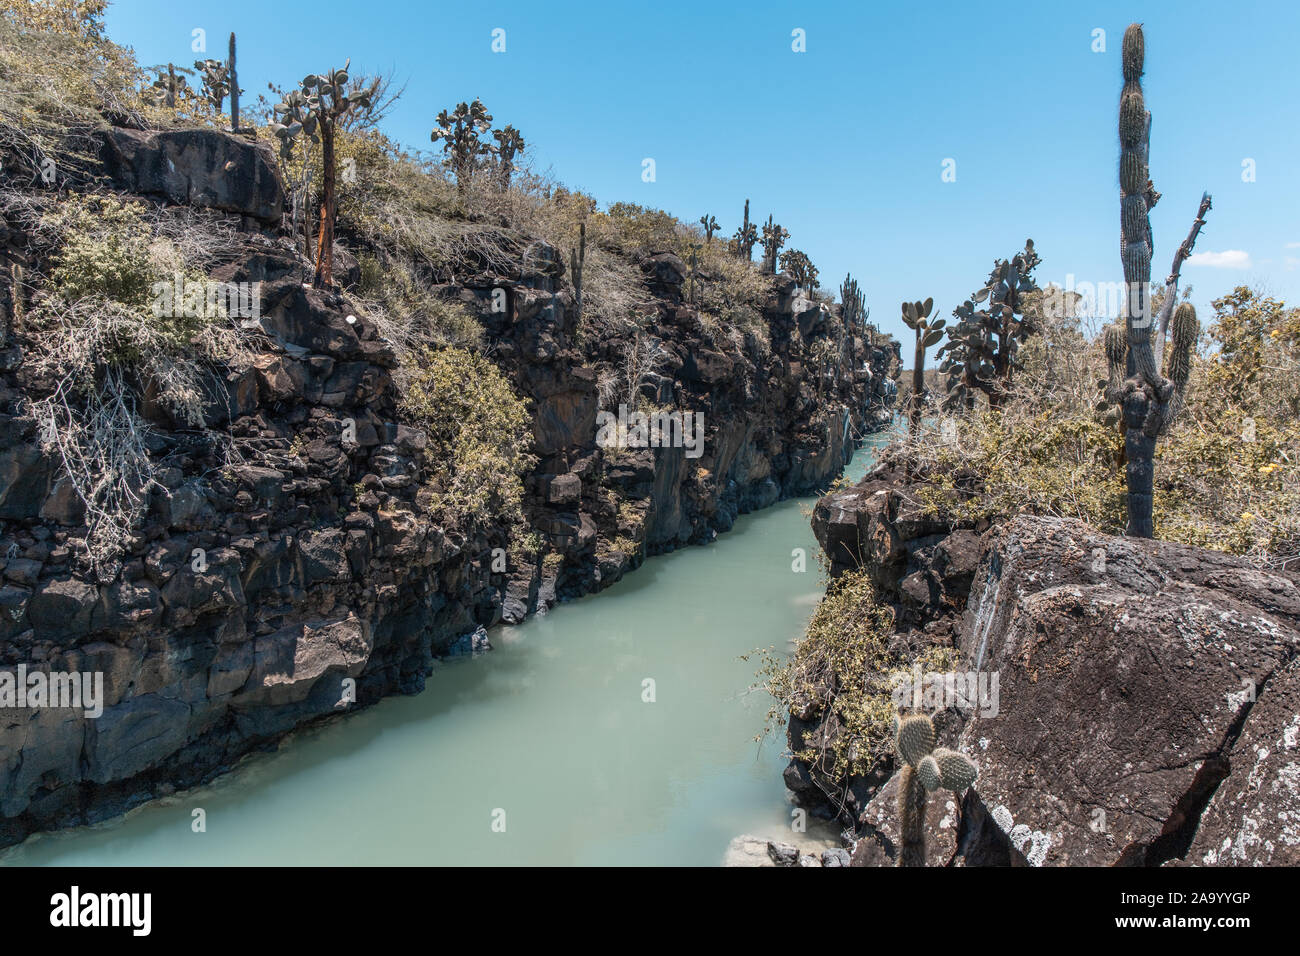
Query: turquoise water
[[540, 752]]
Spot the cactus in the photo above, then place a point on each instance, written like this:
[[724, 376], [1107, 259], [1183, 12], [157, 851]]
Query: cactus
[[1184, 330], [510, 143], [459, 131], [914, 738], [774, 237], [710, 224], [693, 261], [916, 315], [1148, 399], [170, 82], [853, 309], [1133, 52], [801, 268], [982, 346], [577, 257], [315, 110], [216, 81], [745, 238], [234, 87], [925, 769]]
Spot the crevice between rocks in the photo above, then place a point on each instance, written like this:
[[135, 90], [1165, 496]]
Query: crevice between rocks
[[1179, 830]]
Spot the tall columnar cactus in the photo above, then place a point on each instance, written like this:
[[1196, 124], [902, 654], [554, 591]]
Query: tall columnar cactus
[[1148, 399], [577, 257], [315, 110], [234, 87], [710, 224], [459, 131], [853, 308], [982, 346], [925, 769], [916, 315], [774, 237], [745, 237]]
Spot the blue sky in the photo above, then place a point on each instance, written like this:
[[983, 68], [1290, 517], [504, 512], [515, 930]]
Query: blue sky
[[844, 143]]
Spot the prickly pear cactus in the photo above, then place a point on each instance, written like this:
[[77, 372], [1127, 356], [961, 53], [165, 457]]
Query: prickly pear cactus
[[925, 769], [915, 738]]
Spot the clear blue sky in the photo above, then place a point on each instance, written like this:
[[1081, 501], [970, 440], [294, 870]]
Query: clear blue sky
[[844, 143]]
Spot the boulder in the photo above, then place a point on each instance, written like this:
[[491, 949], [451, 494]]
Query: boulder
[[195, 167], [1140, 683], [288, 663]]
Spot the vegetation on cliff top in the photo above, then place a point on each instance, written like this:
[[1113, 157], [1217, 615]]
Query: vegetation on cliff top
[[420, 225], [1227, 477]]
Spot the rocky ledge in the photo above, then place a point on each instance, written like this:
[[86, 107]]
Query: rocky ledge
[[1148, 705]]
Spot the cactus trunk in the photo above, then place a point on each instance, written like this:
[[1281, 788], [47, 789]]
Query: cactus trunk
[[234, 89], [918, 382], [911, 816], [1136, 199], [576, 259], [325, 239]]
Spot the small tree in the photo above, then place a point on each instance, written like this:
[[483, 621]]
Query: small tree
[[459, 131], [510, 143], [798, 265], [315, 111], [982, 346]]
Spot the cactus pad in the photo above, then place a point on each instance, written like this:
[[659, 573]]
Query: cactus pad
[[927, 771], [956, 770], [915, 738]]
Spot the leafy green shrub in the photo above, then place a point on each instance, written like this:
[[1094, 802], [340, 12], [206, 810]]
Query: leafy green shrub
[[844, 663], [105, 251], [479, 435]]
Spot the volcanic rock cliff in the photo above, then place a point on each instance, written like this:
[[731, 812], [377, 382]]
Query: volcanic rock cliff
[[256, 588], [1146, 711]]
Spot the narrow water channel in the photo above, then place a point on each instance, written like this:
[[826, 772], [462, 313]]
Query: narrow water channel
[[548, 734]]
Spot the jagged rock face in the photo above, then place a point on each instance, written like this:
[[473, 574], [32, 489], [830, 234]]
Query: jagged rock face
[[920, 563], [1147, 709], [196, 167], [307, 576], [1131, 674]]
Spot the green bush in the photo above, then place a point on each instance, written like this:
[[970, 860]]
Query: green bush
[[844, 663], [479, 435]]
